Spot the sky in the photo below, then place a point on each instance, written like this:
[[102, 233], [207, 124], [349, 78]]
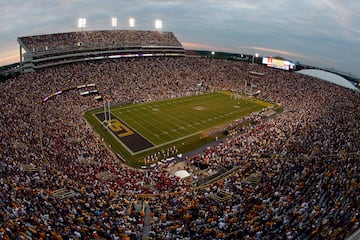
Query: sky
[[324, 33]]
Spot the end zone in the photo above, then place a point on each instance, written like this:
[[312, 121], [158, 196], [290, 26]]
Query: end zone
[[126, 135]]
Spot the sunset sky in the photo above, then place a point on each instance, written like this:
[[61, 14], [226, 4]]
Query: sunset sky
[[325, 33]]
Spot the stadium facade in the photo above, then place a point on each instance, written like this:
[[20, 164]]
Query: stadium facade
[[41, 51]]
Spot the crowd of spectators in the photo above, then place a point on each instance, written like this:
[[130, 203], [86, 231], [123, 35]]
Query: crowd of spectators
[[57, 43], [306, 157]]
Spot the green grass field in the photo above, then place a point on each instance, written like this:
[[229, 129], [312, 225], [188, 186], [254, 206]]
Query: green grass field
[[182, 122]]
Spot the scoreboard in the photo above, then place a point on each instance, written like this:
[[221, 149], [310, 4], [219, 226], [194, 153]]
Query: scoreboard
[[278, 63]]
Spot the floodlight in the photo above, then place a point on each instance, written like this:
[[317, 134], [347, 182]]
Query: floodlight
[[256, 55], [212, 53], [132, 22], [158, 24], [113, 22], [82, 22]]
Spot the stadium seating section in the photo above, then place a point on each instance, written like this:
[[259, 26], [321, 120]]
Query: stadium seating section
[[52, 49], [296, 175]]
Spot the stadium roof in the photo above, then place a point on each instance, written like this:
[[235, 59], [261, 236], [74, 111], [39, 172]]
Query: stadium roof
[[330, 77]]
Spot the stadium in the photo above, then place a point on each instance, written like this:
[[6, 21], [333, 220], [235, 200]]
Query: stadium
[[248, 151]]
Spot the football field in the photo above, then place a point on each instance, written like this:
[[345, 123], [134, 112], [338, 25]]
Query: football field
[[137, 130]]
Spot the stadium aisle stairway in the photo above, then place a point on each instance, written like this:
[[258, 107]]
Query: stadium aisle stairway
[[146, 228]]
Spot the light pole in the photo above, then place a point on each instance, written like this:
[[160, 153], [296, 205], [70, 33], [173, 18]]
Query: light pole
[[81, 23], [212, 62], [256, 55], [131, 22], [158, 24], [114, 22]]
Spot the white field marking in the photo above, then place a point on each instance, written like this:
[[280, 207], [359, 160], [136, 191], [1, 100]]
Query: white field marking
[[156, 121], [121, 143], [135, 125], [175, 140], [165, 143]]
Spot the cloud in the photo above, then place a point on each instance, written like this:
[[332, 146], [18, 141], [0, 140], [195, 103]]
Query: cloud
[[276, 51], [201, 46], [244, 5], [307, 28], [11, 56]]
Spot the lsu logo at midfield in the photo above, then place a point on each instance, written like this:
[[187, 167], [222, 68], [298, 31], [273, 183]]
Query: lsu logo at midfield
[[119, 128]]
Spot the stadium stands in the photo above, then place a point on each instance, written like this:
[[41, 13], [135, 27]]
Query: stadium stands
[[53, 49], [296, 177]]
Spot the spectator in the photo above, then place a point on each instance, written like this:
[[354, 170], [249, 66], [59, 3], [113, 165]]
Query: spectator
[[305, 157]]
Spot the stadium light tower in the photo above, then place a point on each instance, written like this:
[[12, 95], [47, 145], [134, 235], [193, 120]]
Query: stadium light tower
[[81, 23], [256, 55], [158, 24], [114, 22], [131, 22]]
